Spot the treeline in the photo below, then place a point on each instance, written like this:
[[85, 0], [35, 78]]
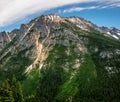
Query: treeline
[[102, 90], [11, 91]]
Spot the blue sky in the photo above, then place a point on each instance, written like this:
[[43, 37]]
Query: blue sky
[[103, 13]]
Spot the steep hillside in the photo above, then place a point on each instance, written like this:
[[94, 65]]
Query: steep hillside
[[62, 60]]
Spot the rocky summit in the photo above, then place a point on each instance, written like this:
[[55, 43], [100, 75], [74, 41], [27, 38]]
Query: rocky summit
[[59, 59]]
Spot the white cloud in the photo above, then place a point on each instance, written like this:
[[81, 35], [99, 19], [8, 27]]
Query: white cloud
[[101, 5], [13, 10], [74, 9]]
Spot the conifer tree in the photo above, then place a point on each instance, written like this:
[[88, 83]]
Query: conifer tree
[[17, 90], [6, 94]]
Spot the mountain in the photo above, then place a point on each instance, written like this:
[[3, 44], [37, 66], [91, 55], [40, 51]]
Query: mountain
[[60, 59], [86, 25]]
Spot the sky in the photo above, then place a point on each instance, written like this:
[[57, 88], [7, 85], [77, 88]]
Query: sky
[[13, 13]]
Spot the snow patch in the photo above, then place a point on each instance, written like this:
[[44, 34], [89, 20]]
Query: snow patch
[[108, 33], [118, 33], [115, 36]]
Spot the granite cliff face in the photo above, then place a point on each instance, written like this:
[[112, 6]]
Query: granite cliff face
[[44, 23], [62, 54], [40, 35]]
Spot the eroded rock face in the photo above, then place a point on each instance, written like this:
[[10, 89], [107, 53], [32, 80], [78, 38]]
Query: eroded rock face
[[37, 38], [44, 25], [87, 25], [81, 23], [4, 39]]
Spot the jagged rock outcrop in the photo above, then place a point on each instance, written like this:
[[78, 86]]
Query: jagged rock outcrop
[[4, 39], [41, 33]]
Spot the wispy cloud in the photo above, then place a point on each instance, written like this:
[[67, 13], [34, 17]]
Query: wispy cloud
[[14, 10], [101, 5], [74, 9]]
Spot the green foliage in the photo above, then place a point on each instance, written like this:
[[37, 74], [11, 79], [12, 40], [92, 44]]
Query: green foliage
[[53, 76], [30, 84], [6, 95], [81, 80], [15, 65], [11, 91], [17, 90], [49, 83]]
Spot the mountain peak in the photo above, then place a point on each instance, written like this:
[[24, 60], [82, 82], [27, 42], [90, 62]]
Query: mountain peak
[[54, 18], [81, 23]]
